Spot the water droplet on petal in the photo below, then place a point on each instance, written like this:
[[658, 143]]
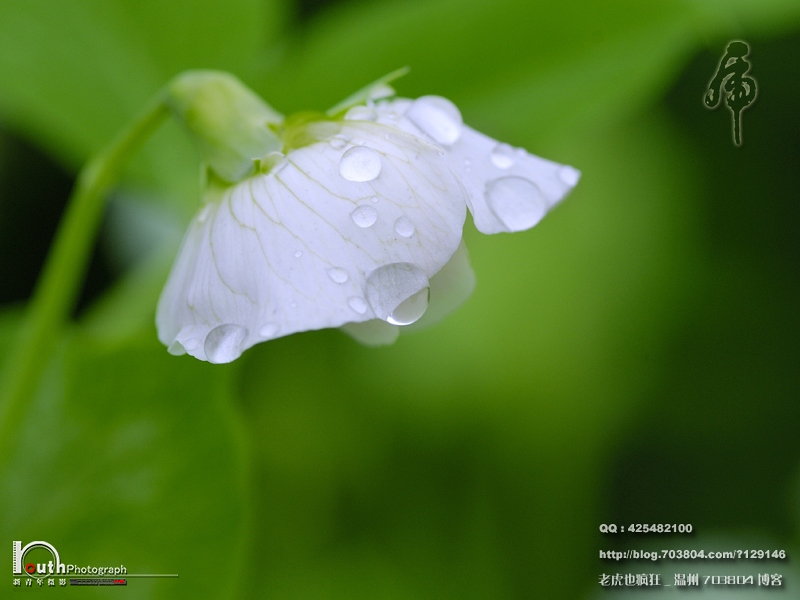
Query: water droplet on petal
[[502, 156], [516, 201], [338, 275], [358, 304], [224, 343], [437, 117], [364, 215], [298, 254], [204, 213], [337, 143], [269, 330], [374, 198], [360, 164], [404, 227], [398, 293], [361, 113], [569, 175], [176, 349]]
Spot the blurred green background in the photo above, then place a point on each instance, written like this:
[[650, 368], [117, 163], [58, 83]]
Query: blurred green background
[[633, 359]]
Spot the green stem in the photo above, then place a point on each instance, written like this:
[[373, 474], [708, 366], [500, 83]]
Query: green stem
[[61, 279]]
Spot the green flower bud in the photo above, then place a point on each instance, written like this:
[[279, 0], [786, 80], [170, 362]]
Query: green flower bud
[[231, 125]]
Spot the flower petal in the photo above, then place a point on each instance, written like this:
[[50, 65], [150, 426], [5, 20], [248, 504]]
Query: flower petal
[[372, 333], [509, 189], [295, 249]]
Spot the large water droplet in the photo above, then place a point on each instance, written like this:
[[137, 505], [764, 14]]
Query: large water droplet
[[358, 304], [338, 275], [569, 175], [398, 293], [361, 113], [516, 201], [404, 227], [437, 117], [224, 343], [364, 216], [269, 330], [360, 164], [502, 156]]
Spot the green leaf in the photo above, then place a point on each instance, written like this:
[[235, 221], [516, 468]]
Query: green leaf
[[461, 49], [73, 73], [127, 456], [589, 92]]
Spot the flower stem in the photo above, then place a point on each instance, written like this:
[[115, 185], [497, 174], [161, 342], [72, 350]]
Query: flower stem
[[63, 273]]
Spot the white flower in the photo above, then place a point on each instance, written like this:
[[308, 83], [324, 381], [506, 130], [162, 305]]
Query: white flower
[[356, 223]]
